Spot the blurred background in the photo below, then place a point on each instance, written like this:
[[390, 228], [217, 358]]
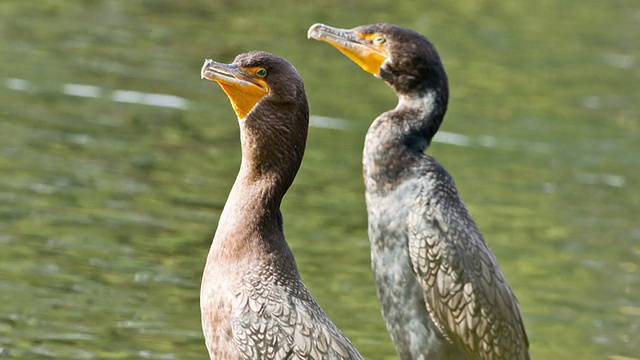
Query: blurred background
[[116, 160]]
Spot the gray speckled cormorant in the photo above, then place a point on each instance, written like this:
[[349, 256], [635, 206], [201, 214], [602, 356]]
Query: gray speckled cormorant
[[442, 292], [254, 304]]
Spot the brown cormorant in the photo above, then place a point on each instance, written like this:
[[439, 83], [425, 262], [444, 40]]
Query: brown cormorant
[[442, 292], [254, 304]]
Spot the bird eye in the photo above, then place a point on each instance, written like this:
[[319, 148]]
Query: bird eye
[[378, 40], [261, 73]]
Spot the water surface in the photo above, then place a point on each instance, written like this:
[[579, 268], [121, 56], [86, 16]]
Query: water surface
[[116, 160]]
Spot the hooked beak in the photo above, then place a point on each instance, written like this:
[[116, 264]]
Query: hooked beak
[[353, 44], [242, 87]]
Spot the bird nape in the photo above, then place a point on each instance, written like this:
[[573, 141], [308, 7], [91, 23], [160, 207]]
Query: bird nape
[[254, 304], [442, 292]]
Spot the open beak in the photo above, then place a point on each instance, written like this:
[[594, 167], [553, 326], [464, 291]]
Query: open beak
[[243, 88], [355, 45]]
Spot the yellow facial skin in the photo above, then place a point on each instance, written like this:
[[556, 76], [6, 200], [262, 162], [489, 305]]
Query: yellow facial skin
[[245, 87], [366, 50]]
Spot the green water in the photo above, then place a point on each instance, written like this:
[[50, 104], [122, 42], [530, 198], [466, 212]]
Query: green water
[[107, 209]]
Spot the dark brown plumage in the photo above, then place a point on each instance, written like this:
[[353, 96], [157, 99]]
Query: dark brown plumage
[[254, 304], [442, 292]]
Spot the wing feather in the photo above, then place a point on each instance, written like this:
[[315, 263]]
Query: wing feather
[[281, 320], [466, 293]]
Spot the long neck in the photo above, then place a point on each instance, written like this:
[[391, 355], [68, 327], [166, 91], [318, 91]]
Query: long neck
[[271, 156], [397, 139], [273, 143]]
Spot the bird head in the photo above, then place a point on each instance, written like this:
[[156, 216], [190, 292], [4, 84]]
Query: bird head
[[403, 58]]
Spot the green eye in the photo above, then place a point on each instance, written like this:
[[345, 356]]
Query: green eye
[[378, 40], [261, 73]]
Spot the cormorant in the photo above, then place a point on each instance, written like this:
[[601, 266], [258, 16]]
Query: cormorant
[[254, 304], [442, 292]]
